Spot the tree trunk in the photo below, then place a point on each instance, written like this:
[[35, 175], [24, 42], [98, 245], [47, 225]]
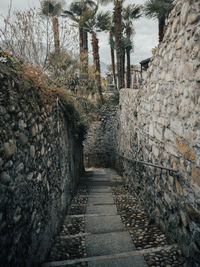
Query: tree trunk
[[56, 33], [112, 52], [95, 48], [161, 28], [81, 44], [123, 67], [118, 37], [85, 50], [128, 71]]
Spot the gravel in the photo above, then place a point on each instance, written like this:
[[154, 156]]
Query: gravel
[[72, 248], [144, 234]]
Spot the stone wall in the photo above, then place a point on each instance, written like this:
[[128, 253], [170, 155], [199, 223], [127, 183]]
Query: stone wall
[[159, 123], [40, 163], [101, 142]]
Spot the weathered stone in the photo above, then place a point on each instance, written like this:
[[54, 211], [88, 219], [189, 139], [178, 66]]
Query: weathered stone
[[178, 188], [178, 45], [5, 178], [196, 175], [176, 126], [30, 176], [171, 149], [32, 151], [22, 125], [174, 26], [197, 76], [9, 149], [168, 135], [23, 139], [40, 127], [42, 151], [1, 162], [39, 177], [2, 110], [193, 213], [183, 218], [158, 133], [33, 131], [197, 239], [184, 12], [184, 149], [192, 18], [155, 151], [17, 215], [20, 167], [188, 69]]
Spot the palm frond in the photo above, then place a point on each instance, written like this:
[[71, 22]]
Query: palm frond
[[103, 21], [158, 8], [51, 8], [132, 11]]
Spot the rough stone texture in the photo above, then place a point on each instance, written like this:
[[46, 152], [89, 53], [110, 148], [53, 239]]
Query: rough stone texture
[[100, 144], [40, 163], [159, 123]]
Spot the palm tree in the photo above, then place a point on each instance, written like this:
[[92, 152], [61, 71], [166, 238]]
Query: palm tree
[[96, 23], [80, 12], [112, 53], [117, 19], [159, 9], [130, 13], [53, 8]]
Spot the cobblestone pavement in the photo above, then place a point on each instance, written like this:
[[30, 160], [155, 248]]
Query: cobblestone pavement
[[70, 248]]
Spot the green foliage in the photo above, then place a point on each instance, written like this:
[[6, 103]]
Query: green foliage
[[51, 8], [159, 9]]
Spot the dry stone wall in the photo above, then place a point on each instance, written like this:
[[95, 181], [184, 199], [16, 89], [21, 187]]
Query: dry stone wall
[[160, 123], [101, 140], [40, 163]]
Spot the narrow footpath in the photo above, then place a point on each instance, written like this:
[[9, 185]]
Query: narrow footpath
[[107, 227]]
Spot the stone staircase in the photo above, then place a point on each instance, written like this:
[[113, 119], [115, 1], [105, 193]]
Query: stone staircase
[[107, 227]]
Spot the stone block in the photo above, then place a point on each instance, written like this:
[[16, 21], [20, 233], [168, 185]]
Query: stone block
[[151, 128], [192, 18], [183, 218], [176, 126], [171, 149], [5, 178], [193, 213], [23, 139], [196, 175], [158, 133], [197, 75], [155, 151], [185, 12], [178, 44], [178, 188], [32, 151], [9, 149], [169, 135], [184, 149]]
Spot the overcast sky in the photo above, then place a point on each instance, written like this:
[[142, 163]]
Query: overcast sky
[[145, 39]]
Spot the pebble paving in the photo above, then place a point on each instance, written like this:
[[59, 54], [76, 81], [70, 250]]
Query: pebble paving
[[145, 235]]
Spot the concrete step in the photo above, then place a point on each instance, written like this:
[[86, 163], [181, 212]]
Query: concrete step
[[103, 224], [105, 244], [100, 200], [114, 256], [101, 209]]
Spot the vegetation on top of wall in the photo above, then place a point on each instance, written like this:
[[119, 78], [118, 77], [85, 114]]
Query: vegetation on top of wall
[[26, 77]]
